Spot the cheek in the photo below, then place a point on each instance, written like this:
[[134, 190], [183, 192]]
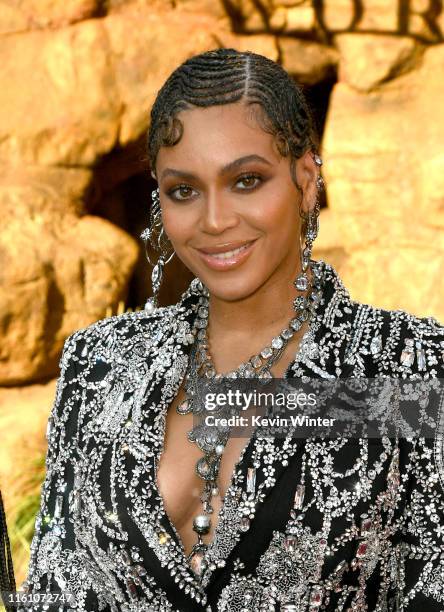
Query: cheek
[[277, 216], [177, 224]]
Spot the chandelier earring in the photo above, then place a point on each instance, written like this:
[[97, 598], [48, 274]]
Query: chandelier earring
[[311, 230], [156, 239]]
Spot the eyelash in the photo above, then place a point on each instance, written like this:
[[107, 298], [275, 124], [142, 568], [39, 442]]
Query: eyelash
[[242, 177]]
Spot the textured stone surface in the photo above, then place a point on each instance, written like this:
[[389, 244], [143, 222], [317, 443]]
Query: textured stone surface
[[300, 18], [309, 61], [215, 8], [19, 15], [370, 59], [373, 15], [94, 82], [263, 44], [68, 113], [383, 164], [145, 47], [60, 271]]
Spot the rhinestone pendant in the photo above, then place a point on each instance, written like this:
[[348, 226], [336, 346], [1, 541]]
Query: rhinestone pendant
[[184, 407], [362, 549], [201, 524], [376, 345], [304, 315], [408, 355], [287, 334], [197, 559], [76, 503], [256, 361], [150, 306], [265, 374], [299, 303], [420, 356], [251, 480], [205, 469], [163, 537], [58, 506], [248, 370], [277, 342], [244, 523], [301, 282], [366, 526], [295, 324], [290, 542], [266, 352], [49, 427], [299, 497], [211, 372], [316, 596]]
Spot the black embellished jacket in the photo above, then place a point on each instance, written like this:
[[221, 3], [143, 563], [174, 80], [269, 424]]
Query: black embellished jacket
[[364, 532]]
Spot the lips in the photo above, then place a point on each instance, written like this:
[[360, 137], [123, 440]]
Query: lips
[[228, 255], [224, 248]]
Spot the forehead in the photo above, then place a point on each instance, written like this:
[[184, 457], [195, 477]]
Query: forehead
[[219, 134]]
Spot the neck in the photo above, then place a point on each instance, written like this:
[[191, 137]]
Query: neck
[[270, 307]]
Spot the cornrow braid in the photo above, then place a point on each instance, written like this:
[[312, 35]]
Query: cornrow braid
[[224, 76]]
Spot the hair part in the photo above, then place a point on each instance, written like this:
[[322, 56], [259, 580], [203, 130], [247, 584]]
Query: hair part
[[224, 76]]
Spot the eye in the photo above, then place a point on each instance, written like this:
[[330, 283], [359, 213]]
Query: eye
[[183, 190], [250, 181]]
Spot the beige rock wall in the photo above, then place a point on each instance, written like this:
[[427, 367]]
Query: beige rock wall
[[77, 79], [384, 168]]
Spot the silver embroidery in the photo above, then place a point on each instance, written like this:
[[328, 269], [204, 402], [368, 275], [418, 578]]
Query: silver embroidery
[[102, 531]]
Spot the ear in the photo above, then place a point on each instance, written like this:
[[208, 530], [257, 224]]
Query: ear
[[307, 172]]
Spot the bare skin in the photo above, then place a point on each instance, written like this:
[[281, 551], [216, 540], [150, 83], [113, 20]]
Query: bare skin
[[252, 202], [180, 487]]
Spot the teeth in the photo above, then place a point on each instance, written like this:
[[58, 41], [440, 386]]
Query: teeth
[[229, 254]]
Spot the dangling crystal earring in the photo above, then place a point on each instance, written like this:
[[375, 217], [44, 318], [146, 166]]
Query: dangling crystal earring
[[312, 229], [156, 237]]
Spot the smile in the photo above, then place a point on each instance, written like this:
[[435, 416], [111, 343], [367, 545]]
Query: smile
[[220, 259]]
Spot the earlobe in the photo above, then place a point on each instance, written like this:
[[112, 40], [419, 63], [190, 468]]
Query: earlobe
[[308, 181]]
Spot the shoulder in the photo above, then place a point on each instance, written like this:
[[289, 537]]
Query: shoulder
[[114, 334], [376, 341], [397, 342]]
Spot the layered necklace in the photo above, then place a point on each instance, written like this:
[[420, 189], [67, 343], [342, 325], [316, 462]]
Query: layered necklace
[[212, 439]]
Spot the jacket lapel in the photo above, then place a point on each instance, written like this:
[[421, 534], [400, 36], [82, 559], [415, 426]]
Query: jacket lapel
[[262, 462]]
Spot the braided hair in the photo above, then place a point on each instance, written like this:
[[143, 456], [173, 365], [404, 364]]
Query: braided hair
[[223, 76]]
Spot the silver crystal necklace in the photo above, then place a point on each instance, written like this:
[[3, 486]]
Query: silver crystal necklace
[[212, 440]]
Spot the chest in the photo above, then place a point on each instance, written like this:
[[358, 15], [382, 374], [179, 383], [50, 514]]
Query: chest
[[177, 480]]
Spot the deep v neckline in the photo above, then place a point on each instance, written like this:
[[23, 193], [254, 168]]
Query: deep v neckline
[[214, 546], [233, 482], [231, 485]]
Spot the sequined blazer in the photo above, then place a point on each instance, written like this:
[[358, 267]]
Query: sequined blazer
[[365, 532]]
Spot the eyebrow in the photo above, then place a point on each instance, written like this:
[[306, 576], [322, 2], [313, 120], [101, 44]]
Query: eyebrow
[[223, 171]]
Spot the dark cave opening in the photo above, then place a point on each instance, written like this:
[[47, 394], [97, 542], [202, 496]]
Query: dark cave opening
[[318, 98]]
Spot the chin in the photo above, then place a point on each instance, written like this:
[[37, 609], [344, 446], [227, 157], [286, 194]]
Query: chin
[[229, 289]]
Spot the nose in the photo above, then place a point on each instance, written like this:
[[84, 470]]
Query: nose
[[217, 214]]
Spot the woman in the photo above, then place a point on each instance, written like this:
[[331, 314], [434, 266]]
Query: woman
[[135, 515]]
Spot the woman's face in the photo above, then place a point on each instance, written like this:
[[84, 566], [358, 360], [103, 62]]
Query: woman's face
[[229, 205]]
